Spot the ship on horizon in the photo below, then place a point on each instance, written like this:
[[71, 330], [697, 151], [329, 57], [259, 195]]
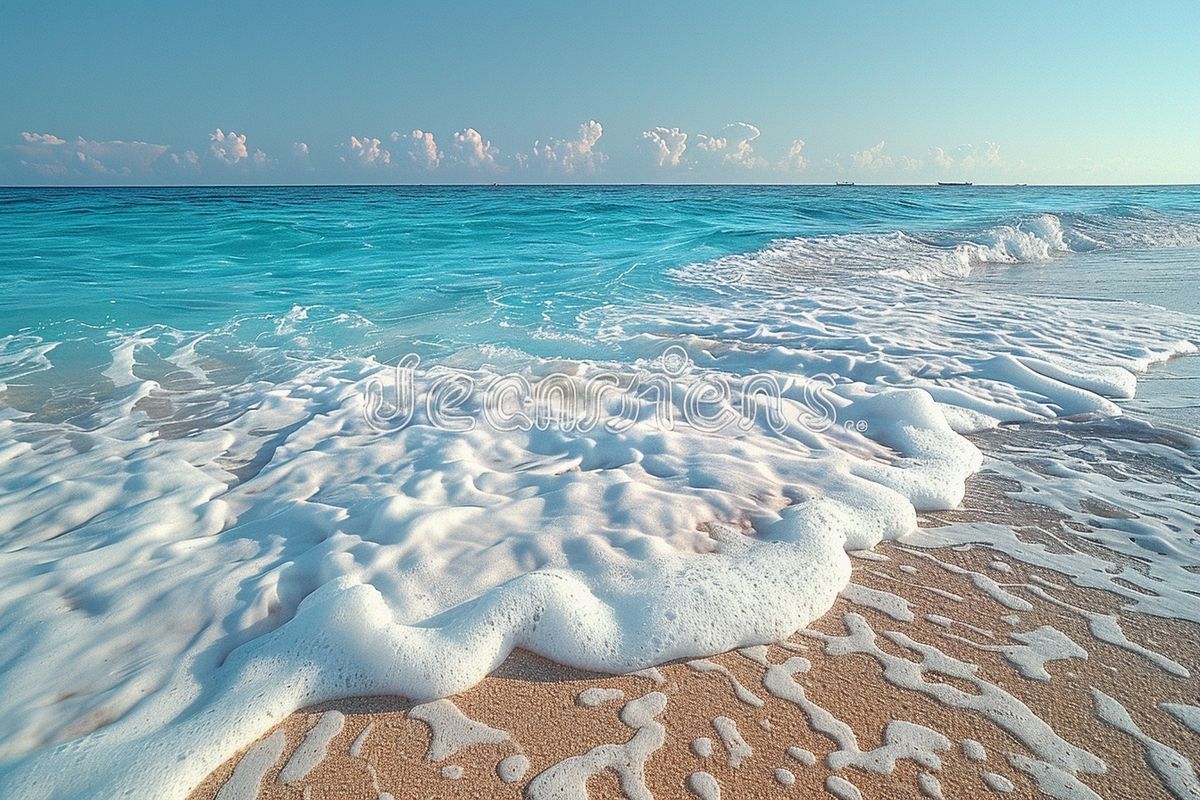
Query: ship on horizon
[[955, 183]]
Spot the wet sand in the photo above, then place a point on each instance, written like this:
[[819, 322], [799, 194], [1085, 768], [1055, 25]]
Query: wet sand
[[537, 703]]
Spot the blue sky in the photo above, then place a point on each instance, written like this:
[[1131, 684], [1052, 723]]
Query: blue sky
[[139, 92]]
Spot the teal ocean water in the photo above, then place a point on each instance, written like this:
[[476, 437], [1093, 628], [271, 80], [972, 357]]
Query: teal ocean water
[[437, 269], [266, 447]]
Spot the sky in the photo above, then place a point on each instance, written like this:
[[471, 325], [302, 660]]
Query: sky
[[622, 92]]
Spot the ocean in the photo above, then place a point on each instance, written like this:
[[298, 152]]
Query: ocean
[[267, 447]]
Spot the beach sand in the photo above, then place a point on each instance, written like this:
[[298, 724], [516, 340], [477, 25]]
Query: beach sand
[[950, 598]]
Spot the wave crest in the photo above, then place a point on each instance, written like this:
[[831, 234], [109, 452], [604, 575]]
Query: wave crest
[[927, 256]]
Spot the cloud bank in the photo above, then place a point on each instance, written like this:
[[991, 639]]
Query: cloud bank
[[737, 151], [732, 146], [51, 156]]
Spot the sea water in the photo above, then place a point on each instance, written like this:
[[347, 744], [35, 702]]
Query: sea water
[[261, 448]]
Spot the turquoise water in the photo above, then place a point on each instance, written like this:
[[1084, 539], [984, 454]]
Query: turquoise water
[[207, 519], [434, 270]]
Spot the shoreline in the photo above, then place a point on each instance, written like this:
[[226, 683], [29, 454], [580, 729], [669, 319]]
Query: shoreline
[[995, 626]]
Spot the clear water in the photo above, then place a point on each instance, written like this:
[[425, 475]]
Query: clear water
[[438, 269], [203, 527], [1168, 277]]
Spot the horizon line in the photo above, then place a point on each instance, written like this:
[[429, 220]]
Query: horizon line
[[617, 184]]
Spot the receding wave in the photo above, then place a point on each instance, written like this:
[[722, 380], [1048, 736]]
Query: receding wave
[[931, 255]]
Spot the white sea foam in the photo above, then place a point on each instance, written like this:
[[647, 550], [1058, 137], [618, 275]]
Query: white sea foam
[[1034, 649], [569, 777], [247, 778], [513, 768], [1036, 238], [739, 691], [312, 750], [997, 783], [258, 547], [801, 755], [1173, 769], [732, 739], [704, 786], [450, 730]]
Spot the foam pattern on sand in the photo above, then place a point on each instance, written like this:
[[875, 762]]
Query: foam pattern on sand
[[957, 688]]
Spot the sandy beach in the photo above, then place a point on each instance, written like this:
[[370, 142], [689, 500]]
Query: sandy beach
[[948, 672]]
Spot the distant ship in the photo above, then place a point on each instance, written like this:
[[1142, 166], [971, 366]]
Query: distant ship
[[954, 183], [844, 183]]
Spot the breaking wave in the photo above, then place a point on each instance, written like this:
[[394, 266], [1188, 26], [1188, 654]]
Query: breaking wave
[[927, 256]]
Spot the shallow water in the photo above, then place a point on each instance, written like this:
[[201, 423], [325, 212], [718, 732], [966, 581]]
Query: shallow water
[[1168, 277], [219, 503], [383, 271]]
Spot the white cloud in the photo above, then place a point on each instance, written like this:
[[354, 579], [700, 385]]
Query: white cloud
[[91, 162], [300, 149], [570, 156], [51, 155], [473, 149], [710, 144], [134, 155], [367, 151], [229, 148], [741, 151], [872, 158], [669, 145], [51, 170], [189, 159], [795, 159], [424, 149], [968, 156], [734, 144], [260, 158], [991, 154], [41, 138]]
